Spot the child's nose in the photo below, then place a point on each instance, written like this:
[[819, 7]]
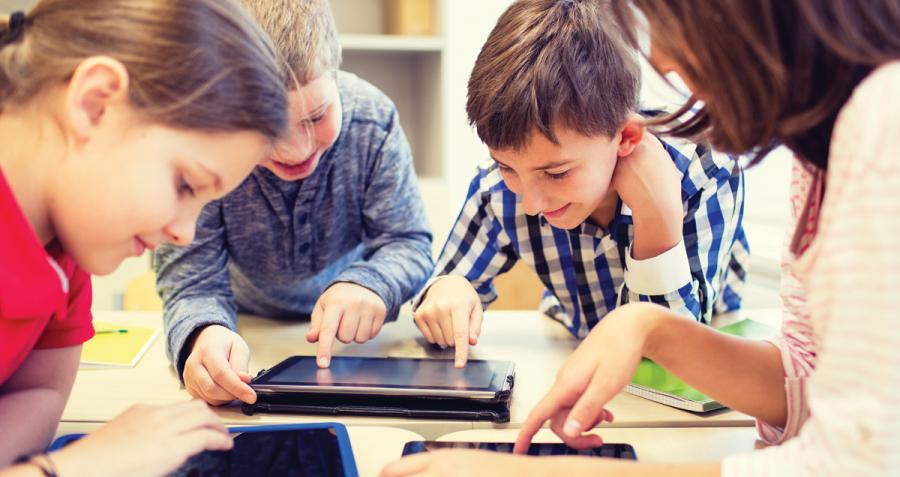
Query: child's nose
[[181, 230], [532, 201]]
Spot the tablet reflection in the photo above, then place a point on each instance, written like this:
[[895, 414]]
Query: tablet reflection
[[300, 453]]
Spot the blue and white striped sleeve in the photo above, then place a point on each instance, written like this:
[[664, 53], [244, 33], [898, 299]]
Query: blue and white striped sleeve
[[478, 248], [689, 277]]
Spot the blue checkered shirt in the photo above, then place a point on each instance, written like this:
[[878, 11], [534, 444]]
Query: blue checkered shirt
[[585, 271]]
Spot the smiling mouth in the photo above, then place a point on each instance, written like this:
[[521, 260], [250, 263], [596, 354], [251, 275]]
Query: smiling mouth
[[296, 169], [552, 214], [140, 246]]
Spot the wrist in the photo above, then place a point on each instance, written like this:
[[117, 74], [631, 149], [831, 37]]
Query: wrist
[[654, 323], [68, 462], [654, 236]]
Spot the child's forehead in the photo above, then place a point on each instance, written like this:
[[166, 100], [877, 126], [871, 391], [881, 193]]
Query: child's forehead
[[565, 139]]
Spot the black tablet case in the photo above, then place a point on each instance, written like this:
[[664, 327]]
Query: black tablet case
[[422, 407]]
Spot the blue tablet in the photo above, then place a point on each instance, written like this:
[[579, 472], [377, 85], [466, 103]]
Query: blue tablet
[[290, 450]]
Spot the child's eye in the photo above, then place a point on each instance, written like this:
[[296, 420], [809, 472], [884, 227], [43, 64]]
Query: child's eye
[[556, 175], [185, 188], [316, 120], [505, 169]]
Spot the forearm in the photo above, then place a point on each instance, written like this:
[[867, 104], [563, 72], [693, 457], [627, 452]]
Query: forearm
[[22, 471], [745, 375], [395, 271], [31, 416]]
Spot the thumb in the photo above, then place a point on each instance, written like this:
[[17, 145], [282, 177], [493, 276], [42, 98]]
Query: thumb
[[239, 357]]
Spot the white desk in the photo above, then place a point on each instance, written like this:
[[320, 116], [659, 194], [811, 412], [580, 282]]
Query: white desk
[[536, 344]]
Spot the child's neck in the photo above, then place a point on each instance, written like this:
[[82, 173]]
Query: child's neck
[[26, 170], [605, 212]]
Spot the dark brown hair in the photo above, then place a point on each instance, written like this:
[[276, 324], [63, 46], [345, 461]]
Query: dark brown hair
[[770, 71], [548, 64], [193, 64], [304, 34]]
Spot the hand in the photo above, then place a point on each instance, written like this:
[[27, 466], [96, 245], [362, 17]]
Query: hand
[[647, 179], [451, 315], [216, 371], [466, 463], [599, 368], [650, 184], [463, 463], [347, 311], [145, 441]]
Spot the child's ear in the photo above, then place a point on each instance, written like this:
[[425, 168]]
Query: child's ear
[[97, 83], [632, 134]]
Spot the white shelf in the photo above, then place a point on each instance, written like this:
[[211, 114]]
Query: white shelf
[[413, 44]]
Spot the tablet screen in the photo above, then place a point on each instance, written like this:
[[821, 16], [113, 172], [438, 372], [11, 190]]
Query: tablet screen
[[620, 451], [288, 453], [385, 373]]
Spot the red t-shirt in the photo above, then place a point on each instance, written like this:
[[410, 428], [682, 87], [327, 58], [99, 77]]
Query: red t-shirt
[[45, 298]]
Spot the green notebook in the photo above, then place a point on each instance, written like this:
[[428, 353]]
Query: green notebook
[[652, 382], [116, 346]]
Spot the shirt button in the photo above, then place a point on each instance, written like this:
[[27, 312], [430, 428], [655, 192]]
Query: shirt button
[[304, 248]]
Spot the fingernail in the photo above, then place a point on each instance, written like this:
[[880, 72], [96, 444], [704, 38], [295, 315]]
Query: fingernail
[[572, 428], [460, 363], [323, 362]]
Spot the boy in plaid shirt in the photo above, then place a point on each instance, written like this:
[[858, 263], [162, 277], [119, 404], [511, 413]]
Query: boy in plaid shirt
[[603, 211]]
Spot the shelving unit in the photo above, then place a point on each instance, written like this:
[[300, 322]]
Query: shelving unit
[[407, 68], [394, 43]]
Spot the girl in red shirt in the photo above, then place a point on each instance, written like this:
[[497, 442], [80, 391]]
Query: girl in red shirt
[[119, 120]]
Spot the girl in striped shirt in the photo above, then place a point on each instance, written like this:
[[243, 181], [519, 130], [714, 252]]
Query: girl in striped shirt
[[822, 78]]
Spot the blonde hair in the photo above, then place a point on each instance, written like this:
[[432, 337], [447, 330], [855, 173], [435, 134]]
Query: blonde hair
[[304, 34], [194, 64]]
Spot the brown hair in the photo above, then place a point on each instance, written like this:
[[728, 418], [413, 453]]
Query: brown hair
[[304, 34], [552, 63], [194, 64], [771, 71]]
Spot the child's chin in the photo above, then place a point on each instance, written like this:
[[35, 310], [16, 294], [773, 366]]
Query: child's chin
[[565, 223], [100, 264]]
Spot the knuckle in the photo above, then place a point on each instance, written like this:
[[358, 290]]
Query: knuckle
[[208, 388], [345, 337], [218, 374]]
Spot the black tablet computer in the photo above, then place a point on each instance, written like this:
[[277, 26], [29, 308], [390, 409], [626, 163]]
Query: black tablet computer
[[483, 380], [619, 451], [386, 387], [283, 450]]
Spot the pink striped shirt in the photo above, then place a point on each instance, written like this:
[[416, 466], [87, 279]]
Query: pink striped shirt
[[840, 341]]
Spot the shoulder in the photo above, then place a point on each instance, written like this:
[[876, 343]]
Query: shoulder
[[867, 130], [702, 167], [875, 103]]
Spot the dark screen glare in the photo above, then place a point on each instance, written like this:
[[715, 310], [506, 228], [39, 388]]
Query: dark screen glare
[[288, 453], [619, 451], [376, 372]]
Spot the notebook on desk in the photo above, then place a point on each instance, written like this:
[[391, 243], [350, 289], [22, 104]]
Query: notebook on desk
[[652, 382], [116, 346]]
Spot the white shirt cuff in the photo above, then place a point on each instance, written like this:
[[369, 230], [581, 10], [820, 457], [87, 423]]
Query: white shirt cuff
[[664, 273]]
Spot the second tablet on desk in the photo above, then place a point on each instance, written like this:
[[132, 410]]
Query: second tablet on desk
[[399, 387]]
